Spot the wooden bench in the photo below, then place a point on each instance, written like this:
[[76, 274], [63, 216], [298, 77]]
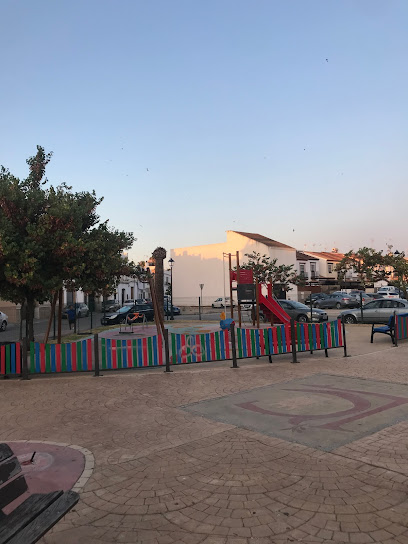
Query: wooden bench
[[389, 329], [37, 514]]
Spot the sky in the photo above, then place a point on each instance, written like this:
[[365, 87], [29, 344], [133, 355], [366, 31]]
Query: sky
[[192, 117]]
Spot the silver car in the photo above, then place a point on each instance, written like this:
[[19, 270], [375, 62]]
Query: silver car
[[376, 311]]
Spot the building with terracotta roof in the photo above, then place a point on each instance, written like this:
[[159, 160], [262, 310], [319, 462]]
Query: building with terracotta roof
[[205, 264]]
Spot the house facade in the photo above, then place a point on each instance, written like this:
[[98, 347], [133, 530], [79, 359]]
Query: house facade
[[208, 265], [307, 267]]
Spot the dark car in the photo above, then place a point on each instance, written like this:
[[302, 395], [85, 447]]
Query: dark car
[[300, 312], [110, 306], [81, 308], [167, 309], [337, 300], [315, 297], [121, 316], [376, 311]]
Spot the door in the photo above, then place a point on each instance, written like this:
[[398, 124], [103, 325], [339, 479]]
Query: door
[[387, 308], [371, 312]]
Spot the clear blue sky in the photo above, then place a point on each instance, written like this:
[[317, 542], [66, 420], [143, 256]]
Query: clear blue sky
[[287, 118]]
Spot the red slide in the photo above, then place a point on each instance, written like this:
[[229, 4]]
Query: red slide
[[269, 305]]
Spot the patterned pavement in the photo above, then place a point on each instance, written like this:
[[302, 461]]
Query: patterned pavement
[[166, 475]]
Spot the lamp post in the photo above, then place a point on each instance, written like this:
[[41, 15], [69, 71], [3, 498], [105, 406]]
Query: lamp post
[[397, 254], [171, 263], [201, 299]]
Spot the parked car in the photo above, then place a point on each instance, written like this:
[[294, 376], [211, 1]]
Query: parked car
[[388, 292], [365, 297], [81, 308], [300, 312], [315, 297], [376, 311], [219, 302], [110, 306], [121, 315], [3, 321], [337, 300], [167, 309]]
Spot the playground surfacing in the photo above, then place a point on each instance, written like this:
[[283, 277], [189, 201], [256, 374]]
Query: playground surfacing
[[321, 411]]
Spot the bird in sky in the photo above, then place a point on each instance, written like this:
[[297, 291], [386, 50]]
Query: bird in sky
[[147, 169], [327, 60]]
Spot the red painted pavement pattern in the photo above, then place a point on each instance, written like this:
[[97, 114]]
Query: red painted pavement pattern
[[53, 468]]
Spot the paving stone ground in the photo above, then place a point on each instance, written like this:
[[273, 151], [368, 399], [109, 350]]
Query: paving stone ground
[[164, 474]]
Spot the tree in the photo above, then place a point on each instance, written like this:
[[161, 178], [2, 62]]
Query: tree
[[266, 270], [159, 254], [400, 267], [369, 264], [48, 237]]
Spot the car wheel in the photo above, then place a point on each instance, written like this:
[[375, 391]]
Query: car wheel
[[338, 305], [349, 319], [213, 305], [302, 318], [316, 305], [3, 326]]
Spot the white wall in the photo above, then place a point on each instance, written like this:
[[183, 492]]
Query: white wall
[[204, 264]]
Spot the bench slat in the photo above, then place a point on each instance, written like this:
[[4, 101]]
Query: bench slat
[[5, 452], [8, 469], [25, 513], [12, 490], [47, 519]]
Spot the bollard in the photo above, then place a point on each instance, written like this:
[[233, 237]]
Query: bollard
[[233, 346], [96, 355]]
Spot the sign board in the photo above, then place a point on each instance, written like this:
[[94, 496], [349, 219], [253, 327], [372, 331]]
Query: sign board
[[246, 276], [246, 292]]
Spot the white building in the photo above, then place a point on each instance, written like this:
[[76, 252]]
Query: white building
[[205, 264]]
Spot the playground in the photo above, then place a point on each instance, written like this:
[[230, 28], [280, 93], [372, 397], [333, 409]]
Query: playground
[[268, 453]]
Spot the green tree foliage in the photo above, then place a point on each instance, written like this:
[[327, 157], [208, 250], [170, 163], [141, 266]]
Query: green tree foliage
[[399, 264], [51, 236], [369, 264], [266, 270]]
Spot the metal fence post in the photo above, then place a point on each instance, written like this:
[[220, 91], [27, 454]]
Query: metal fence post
[[344, 336], [233, 346], [24, 359], [167, 350], [96, 354], [293, 340]]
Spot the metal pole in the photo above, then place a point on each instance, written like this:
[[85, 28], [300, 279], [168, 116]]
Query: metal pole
[[54, 325], [24, 359], [233, 347], [167, 350], [199, 308], [223, 282], [361, 307], [230, 284], [344, 337], [171, 294], [311, 315], [257, 303], [239, 306], [395, 330], [96, 354], [293, 340]]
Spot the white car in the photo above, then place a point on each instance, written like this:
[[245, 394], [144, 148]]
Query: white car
[[219, 302], [3, 321], [388, 292]]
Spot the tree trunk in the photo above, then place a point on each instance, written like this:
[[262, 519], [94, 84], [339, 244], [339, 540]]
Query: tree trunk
[[159, 254], [22, 309], [30, 319]]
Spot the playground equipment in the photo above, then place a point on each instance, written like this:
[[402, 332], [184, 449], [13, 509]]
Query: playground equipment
[[251, 292]]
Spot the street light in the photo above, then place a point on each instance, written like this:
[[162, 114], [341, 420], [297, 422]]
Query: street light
[[201, 299], [171, 263]]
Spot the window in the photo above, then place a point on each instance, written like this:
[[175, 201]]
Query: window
[[330, 267], [401, 305], [302, 268]]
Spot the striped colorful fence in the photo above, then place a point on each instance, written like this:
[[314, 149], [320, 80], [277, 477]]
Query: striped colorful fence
[[10, 359], [198, 348], [258, 342], [137, 353], [316, 336], [70, 357], [401, 326]]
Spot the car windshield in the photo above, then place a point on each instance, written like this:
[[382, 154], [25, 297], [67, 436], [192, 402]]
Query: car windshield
[[124, 309], [298, 305]]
